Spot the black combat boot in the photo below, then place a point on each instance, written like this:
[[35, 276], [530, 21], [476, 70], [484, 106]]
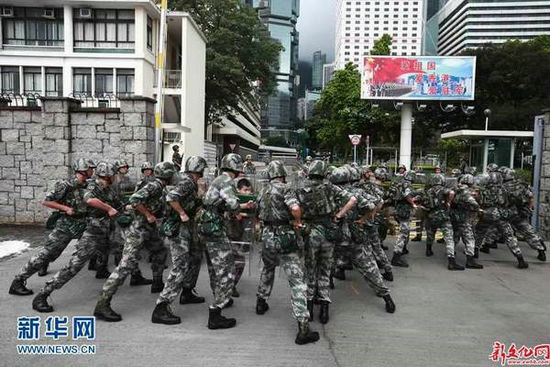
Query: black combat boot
[[405, 250], [157, 285], [542, 255], [453, 265], [43, 270], [102, 272], [310, 310], [418, 238], [18, 288], [188, 296], [340, 274], [163, 315], [323, 314], [92, 264], [471, 263], [305, 335], [429, 251], [138, 279], [103, 311], [388, 275], [235, 293], [476, 253], [40, 303], [390, 306], [522, 264], [217, 321], [261, 306], [398, 261], [331, 281]]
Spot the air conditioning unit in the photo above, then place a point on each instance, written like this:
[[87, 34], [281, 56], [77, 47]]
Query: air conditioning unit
[[6, 12], [48, 13], [85, 13]]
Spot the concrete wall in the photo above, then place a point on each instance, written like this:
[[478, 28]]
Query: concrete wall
[[544, 207], [38, 146]]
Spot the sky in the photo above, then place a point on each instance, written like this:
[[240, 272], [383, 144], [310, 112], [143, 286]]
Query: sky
[[316, 24]]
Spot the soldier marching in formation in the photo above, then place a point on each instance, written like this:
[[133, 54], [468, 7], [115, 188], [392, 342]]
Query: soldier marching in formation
[[334, 219]]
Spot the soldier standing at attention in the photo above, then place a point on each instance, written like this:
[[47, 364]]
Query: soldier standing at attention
[[277, 208], [148, 204], [184, 202], [219, 198], [176, 157], [68, 198], [102, 202], [249, 168]]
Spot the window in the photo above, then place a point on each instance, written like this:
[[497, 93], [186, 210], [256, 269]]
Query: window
[[82, 81], [105, 29], [29, 28], [149, 33], [125, 82], [32, 80], [54, 82], [103, 82], [10, 79]]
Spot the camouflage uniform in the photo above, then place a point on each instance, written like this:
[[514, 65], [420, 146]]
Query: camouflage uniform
[[249, 168], [219, 198], [399, 191], [280, 246], [435, 199], [69, 193], [463, 212]]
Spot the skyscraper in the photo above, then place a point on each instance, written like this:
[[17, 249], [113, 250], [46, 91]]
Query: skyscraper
[[319, 59], [360, 23], [280, 16]]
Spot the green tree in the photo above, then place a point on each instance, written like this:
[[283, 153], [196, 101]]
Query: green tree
[[239, 53], [382, 46]]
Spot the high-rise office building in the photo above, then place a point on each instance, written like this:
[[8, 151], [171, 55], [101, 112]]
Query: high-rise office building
[[328, 73], [360, 23], [462, 24], [280, 16], [319, 59]]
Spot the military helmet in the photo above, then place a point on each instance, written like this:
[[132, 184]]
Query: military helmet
[[456, 172], [195, 164], [105, 169], [401, 166], [232, 162], [508, 174], [165, 170], [121, 163], [437, 180], [317, 168], [492, 167], [354, 174], [309, 158], [276, 169], [340, 175], [410, 175], [466, 179], [470, 170], [146, 165], [92, 163], [248, 157], [381, 173], [80, 165], [495, 179]]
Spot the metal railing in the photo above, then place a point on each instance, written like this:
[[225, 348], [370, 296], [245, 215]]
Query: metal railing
[[172, 79], [97, 101], [20, 100]]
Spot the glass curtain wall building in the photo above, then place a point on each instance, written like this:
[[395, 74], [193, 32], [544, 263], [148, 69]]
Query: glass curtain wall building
[[319, 60]]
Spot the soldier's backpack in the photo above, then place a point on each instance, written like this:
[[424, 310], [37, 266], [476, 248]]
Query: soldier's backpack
[[314, 201]]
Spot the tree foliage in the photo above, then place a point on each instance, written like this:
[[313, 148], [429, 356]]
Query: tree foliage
[[239, 53], [382, 46]]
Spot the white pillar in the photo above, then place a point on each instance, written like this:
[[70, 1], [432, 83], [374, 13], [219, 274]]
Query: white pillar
[[21, 80], [43, 72], [512, 152], [485, 153], [405, 146], [68, 29]]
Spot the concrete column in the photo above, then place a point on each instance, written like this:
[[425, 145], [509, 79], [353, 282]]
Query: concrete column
[[21, 80], [140, 35], [512, 152], [93, 82], [405, 146], [67, 81], [485, 153], [43, 70], [68, 29]]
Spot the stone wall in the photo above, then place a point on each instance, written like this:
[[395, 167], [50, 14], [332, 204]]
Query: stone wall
[[544, 205], [38, 146]]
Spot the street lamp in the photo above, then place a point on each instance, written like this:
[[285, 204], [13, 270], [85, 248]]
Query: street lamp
[[487, 113]]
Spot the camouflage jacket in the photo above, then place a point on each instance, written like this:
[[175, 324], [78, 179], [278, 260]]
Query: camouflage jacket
[[318, 199], [144, 181], [177, 159], [105, 194], [464, 206], [220, 197], [186, 193], [274, 203], [70, 193], [365, 202], [435, 199], [152, 197], [398, 192], [249, 168]]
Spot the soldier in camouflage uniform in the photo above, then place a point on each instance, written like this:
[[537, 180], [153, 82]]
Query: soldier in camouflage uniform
[[184, 202], [317, 200], [420, 214], [403, 198], [522, 197], [177, 159], [277, 207], [497, 212], [249, 168], [437, 201], [148, 176], [148, 204], [102, 202], [382, 216], [220, 198], [68, 199]]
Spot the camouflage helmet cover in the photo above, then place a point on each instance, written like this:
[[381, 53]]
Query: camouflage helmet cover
[[165, 170], [232, 162], [276, 169], [410, 175], [381, 173], [495, 179], [492, 167], [317, 168], [354, 174], [466, 179], [80, 165], [456, 171], [92, 163], [195, 164], [508, 174], [340, 175], [105, 169], [309, 158], [146, 165], [401, 166], [437, 180], [248, 157]]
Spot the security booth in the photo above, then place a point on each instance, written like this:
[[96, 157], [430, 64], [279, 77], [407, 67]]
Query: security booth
[[503, 147]]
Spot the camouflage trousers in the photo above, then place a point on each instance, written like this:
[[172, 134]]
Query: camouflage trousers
[[373, 240], [140, 234], [221, 268], [293, 266], [522, 227], [403, 237], [318, 262], [179, 249], [341, 254], [420, 215], [464, 231], [97, 235], [240, 261], [447, 230], [505, 228]]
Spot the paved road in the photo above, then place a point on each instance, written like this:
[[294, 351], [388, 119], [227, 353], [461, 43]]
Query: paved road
[[443, 318]]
